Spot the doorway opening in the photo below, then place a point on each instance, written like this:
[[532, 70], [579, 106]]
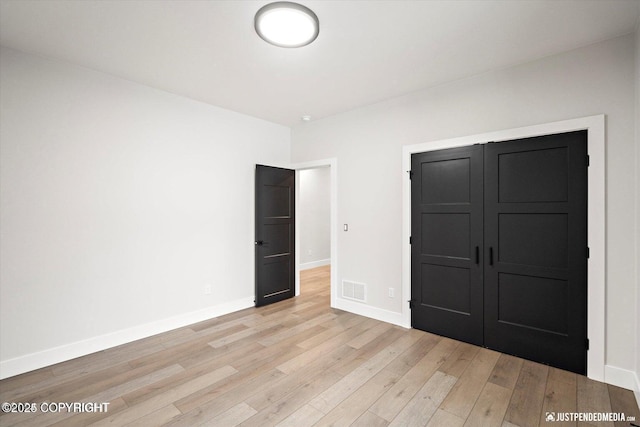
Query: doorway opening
[[316, 222], [315, 218]]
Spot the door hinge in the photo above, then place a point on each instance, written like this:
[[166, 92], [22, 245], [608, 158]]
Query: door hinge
[[410, 174], [588, 252], [410, 240], [586, 343], [588, 161], [411, 304]]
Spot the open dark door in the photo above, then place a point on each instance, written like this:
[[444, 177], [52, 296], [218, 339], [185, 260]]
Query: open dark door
[[446, 232], [275, 234]]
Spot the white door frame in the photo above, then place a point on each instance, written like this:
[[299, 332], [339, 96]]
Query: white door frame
[[333, 165], [596, 231]]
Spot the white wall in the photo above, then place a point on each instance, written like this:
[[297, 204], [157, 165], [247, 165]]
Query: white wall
[[119, 203], [597, 79], [314, 221]]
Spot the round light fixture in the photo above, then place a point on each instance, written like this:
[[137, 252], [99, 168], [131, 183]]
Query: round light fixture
[[287, 24]]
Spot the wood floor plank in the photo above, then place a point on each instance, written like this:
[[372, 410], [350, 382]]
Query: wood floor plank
[[222, 357], [593, 396], [121, 384], [392, 402], [623, 401], [104, 395], [52, 392], [345, 319], [525, 407], [10, 386], [556, 374], [209, 402], [559, 396], [266, 355], [425, 402], [350, 409], [327, 334], [169, 354], [369, 350], [463, 396], [241, 314], [157, 418], [443, 418], [456, 364], [146, 392], [233, 416], [120, 354], [268, 327], [313, 353], [506, 371], [168, 397], [369, 419], [370, 335], [321, 366], [293, 400], [333, 328], [407, 360], [212, 400], [490, 407], [286, 307], [302, 327], [306, 416], [331, 397]]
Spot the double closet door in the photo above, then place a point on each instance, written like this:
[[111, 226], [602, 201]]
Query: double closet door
[[499, 246]]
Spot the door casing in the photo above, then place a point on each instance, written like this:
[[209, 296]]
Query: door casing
[[595, 126]]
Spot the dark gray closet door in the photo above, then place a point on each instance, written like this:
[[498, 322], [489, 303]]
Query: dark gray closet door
[[523, 203], [446, 221], [536, 249]]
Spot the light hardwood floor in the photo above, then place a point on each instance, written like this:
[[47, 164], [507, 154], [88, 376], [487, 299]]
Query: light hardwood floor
[[301, 363]]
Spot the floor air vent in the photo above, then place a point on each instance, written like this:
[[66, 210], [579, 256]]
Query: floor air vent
[[354, 290]]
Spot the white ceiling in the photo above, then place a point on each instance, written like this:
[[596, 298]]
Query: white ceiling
[[367, 51]]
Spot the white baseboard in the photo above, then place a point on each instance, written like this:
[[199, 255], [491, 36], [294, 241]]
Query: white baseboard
[[41, 359], [314, 264], [621, 378], [371, 312]]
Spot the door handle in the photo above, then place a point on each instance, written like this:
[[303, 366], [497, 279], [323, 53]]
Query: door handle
[[490, 255]]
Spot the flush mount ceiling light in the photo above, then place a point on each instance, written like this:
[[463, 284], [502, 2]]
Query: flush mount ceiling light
[[287, 24]]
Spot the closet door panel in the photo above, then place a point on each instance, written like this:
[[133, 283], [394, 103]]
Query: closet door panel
[[446, 218], [535, 279]]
